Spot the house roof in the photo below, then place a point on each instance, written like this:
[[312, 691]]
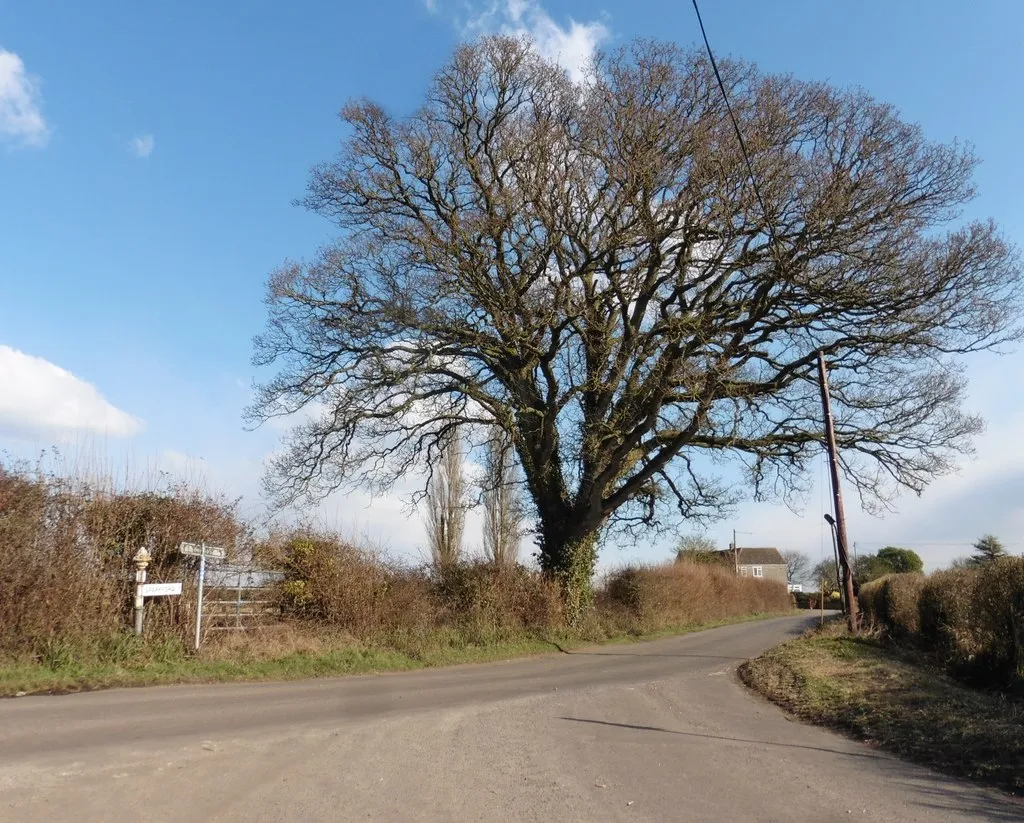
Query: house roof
[[758, 557]]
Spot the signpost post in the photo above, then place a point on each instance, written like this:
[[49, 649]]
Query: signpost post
[[144, 589], [141, 561], [202, 551]]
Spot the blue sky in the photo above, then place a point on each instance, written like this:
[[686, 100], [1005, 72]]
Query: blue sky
[[149, 156]]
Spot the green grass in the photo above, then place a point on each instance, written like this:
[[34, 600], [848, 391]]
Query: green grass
[[64, 673], [897, 701]]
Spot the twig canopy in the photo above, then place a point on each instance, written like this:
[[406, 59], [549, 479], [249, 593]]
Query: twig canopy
[[586, 267]]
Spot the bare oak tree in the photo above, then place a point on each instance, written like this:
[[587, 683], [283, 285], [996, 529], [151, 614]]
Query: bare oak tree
[[502, 502], [586, 267], [446, 507]]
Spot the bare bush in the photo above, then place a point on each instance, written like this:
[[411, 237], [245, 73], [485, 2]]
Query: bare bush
[[331, 582], [490, 603], [66, 545], [971, 618], [678, 594], [893, 603], [65, 583]]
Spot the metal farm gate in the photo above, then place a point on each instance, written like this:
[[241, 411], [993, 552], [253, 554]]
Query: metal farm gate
[[240, 597]]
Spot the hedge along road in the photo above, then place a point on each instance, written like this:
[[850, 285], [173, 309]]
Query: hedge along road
[[658, 731]]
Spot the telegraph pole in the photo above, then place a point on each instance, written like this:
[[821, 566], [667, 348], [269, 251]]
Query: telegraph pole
[[837, 494], [736, 550]]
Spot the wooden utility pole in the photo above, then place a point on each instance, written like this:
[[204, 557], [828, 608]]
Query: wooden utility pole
[[837, 494]]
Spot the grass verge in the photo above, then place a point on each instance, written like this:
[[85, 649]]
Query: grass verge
[[18, 679], [894, 700]]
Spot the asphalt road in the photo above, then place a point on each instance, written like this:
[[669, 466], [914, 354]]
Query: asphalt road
[[659, 731]]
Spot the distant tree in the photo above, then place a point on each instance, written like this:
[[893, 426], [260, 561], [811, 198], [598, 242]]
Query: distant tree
[[798, 566], [868, 567], [988, 548], [962, 563], [697, 548], [890, 560], [696, 543], [900, 560], [826, 570], [446, 507], [502, 501]]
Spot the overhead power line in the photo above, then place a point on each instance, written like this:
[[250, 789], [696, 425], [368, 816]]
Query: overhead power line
[[735, 125]]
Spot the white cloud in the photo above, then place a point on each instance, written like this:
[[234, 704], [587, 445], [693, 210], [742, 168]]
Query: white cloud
[[431, 6], [21, 117], [39, 397], [143, 145], [179, 463], [571, 46]]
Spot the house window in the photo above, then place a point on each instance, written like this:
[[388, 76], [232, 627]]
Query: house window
[[743, 571], [758, 571]]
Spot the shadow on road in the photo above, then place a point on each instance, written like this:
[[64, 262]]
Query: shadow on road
[[867, 755], [651, 654], [985, 804], [633, 651], [931, 791]]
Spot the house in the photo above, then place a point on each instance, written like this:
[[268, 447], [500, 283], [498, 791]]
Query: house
[[761, 563]]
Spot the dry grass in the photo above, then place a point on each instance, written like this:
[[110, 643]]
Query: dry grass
[[897, 702]]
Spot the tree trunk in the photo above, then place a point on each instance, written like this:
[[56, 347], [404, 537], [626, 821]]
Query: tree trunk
[[569, 557]]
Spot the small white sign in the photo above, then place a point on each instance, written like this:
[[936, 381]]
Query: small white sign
[[159, 589], [201, 550]]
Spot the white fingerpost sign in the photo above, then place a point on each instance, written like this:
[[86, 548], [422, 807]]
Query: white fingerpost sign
[[143, 589], [160, 589], [202, 551]]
